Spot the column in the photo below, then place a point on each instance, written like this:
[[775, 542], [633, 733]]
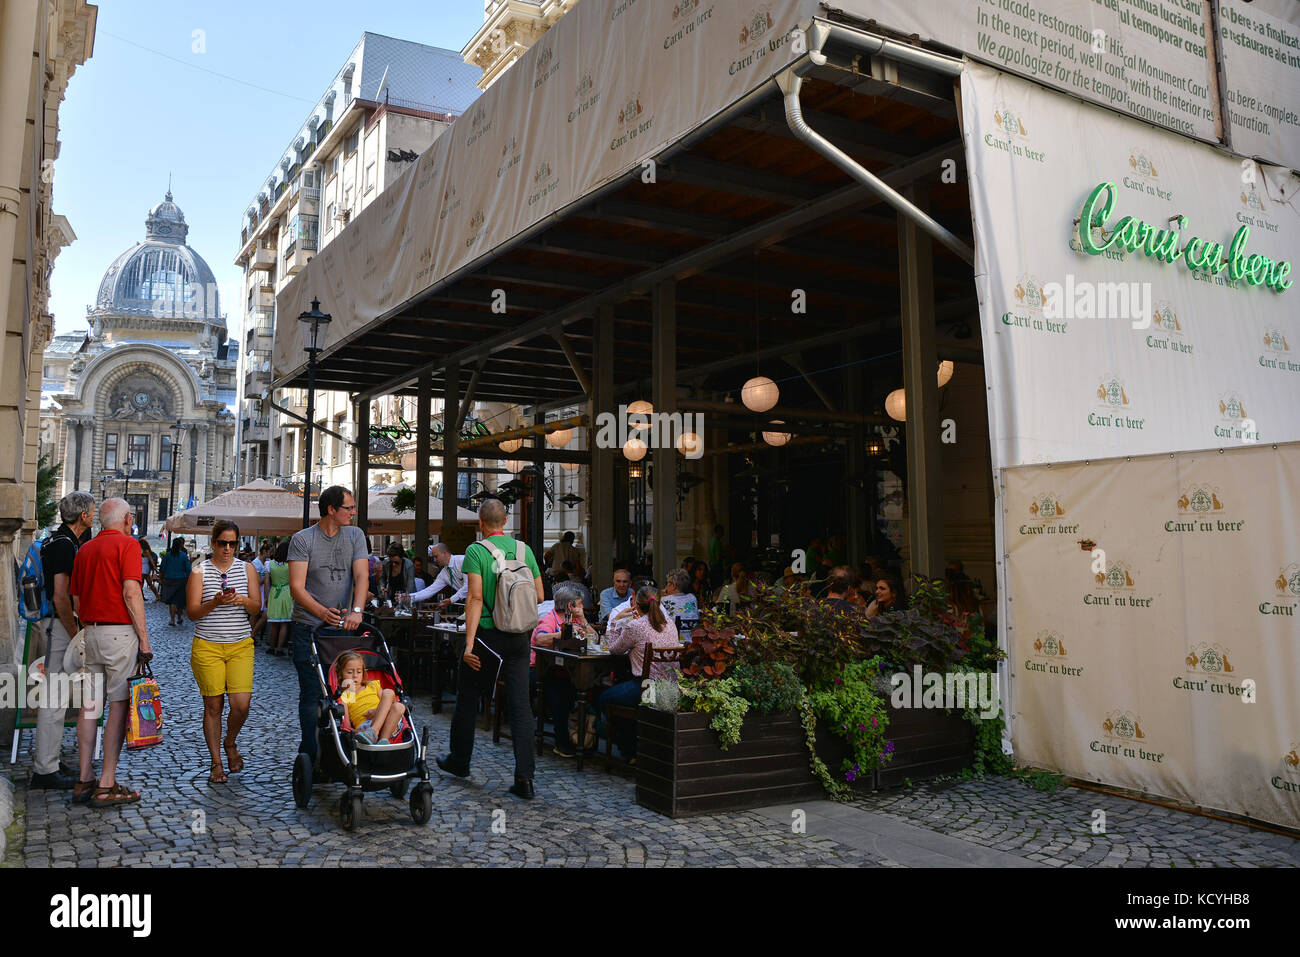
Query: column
[[361, 458], [921, 387], [450, 457], [192, 443], [858, 531], [601, 498], [664, 398], [423, 415]]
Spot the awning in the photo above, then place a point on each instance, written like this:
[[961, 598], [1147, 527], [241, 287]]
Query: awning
[[258, 508]]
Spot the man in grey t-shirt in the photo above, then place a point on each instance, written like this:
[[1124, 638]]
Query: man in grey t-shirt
[[329, 579]]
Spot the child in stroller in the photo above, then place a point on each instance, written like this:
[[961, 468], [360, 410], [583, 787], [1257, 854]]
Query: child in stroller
[[373, 711]]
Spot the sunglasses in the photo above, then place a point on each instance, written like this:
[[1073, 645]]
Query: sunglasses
[[227, 544]]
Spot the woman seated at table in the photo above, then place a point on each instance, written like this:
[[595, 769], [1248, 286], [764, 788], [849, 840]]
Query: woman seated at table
[[889, 596], [560, 694], [629, 630]]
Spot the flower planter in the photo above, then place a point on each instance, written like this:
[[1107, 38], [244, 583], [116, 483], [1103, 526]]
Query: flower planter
[[680, 770], [928, 742]]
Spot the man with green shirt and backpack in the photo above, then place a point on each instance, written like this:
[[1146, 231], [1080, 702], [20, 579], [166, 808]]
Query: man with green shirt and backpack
[[505, 588]]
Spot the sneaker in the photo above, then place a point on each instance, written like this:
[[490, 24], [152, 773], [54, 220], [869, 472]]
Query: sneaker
[[445, 763]]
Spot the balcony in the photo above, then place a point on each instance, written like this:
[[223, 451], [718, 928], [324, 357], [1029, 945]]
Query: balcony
[[264, 256], [286, 422], [257, 430], [296, 258], [262, 297]]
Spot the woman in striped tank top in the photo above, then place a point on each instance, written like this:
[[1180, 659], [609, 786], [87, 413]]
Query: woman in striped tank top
[[222, 593]]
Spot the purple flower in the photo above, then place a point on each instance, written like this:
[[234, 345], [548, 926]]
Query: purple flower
[[862, 727], [874, 723], [889, 747], [839, 681], [850, 775]]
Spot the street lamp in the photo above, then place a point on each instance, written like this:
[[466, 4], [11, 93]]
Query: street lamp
[[315, 320], [176, 451], [126, 492]]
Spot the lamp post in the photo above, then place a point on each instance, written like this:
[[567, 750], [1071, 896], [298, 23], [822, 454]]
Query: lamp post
[[315, 320], [126, 491], [176, 451]]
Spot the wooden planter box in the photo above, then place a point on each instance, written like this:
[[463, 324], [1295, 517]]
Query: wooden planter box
[[680, 770], [928, 742]]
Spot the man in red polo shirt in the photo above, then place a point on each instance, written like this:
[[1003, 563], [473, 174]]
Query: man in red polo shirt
[[108, 598]]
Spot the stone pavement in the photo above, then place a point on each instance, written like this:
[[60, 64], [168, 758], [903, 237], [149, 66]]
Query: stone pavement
[[581, 819]]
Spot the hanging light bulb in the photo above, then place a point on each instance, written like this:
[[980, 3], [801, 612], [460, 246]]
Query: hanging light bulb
[[689, 445], [634, 450], [559, 438], [510, 446], [514, 466], [776, 439], [640, 406], [896, 406], [759, 394], [945, 372]]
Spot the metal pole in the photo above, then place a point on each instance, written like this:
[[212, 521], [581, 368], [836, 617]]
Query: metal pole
[[171, 491], [311, 421]]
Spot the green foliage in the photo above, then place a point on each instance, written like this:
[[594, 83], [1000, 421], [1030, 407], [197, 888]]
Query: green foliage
[[989, 758], [835, 790], [850, 705], [1045, 781], [664, 694], [717, 697], [404, 500], [771, 687], [47, 503]]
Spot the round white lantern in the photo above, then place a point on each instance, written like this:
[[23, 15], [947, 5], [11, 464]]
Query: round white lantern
[[689, 444], [945, 372], [641, 406], [511, 445], [896, 405], [776, 439], [634, 450], [408, 462], [759, 394], [559, 438], [514, 466]]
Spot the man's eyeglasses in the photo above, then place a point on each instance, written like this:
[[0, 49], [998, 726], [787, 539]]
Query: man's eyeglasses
[[346, 508], [224, 543]]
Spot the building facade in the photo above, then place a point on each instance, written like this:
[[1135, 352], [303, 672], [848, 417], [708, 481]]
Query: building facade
[[386, 105], [509, 28], [154, 370], [42, 42]]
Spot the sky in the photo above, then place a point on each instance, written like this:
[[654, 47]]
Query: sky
[[149, 103]]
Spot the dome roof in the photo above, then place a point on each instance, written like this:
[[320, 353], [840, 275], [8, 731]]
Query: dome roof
[[161, 276]]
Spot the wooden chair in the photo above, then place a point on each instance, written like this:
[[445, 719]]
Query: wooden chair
[[618, 712]]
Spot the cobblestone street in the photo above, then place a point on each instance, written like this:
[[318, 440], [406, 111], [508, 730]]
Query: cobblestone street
[[587, 819]]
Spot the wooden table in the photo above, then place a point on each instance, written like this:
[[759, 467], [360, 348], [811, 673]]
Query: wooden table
[[584, 671]]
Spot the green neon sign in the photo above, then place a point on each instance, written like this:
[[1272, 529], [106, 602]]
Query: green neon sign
[[1163, 244]]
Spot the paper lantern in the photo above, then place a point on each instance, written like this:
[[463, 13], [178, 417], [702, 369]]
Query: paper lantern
[[640, 406], [945, 372], [689, 444], [776, 439], [759, 394], [569, 466], [896, 405], [514, 466], [408, 462], [559, 438], [511, 445], [634, 450]]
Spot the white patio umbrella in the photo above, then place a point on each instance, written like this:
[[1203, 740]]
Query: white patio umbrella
[[258, 508], [383, 519]]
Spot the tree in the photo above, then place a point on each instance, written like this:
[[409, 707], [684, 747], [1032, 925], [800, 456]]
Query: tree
[[47, 504]]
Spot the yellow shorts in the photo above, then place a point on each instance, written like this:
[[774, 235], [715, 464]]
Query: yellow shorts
[[222, 667]]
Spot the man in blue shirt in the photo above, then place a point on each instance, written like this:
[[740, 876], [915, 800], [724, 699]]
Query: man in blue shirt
[[611, 598]]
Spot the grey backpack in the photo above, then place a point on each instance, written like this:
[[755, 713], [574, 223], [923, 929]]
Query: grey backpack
[[514, 609]]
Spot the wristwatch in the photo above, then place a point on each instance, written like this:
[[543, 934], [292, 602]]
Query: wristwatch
[[356, 609]]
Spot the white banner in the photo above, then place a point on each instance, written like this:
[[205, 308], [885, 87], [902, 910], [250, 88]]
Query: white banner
[[1171, 325], [1261, 67], [1153, 632], [1149, 58]]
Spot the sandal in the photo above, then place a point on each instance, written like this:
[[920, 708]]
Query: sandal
[[218, 774], [82, 790], [233, 758], [109, 797]]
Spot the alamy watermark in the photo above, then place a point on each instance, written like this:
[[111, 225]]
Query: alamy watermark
[[1083, 299], [977, 690], [682, 431], [35, 689]]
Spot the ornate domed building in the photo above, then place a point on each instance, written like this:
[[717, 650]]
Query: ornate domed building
[[156, 354]]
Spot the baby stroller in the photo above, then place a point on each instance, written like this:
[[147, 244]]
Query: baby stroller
[[346, 757]]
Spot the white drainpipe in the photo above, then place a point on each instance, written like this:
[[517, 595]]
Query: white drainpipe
[[790, 83]]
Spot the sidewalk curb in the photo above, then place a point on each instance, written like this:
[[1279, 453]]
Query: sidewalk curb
[[6, 810]]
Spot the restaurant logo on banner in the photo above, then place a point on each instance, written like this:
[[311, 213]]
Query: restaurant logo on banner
[[426, 264], [450, 202], [545, 182], [1123, 732], [1115, 587], [479, 123], [757, 39], [1012, 124], [1275, 342], [1142, 165], [630, 123], [509, 156], [1029, 293], [1112, 396], [1289, 779], [1048, 511], [475, 228], [1146, 179], [1203, 508], [1209, 658], [1165, 319], [1232, 410], [546, 65], [686, 19], [585, 96], [1050, 648], [1200, 498], [1251, 199]]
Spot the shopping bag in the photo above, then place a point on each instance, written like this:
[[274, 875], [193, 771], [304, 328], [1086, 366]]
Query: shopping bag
[[145, 722]]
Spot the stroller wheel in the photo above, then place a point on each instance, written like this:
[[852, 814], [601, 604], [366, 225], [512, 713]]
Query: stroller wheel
[[422, 803], [302, 780], [349, 810], [398, 788]]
